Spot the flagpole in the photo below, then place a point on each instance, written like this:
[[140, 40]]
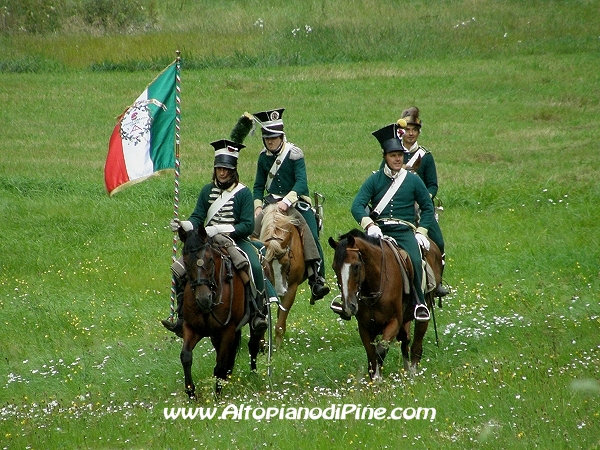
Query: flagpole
[[177, 165]]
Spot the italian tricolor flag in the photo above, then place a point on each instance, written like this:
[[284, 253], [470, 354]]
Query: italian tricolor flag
[[143, 141]]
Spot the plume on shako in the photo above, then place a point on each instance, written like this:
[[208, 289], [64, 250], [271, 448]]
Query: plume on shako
[[242, 128], [411, 116]]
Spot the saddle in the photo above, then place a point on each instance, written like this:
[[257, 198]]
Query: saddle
[[238, 257], [405, 266], [240, 261]]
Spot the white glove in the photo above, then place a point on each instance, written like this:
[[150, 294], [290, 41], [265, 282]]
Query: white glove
[[185, 224], [422, 240], [374, 231], [211, 230]]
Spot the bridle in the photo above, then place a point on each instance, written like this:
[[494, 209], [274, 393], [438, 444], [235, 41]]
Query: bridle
[[226, 275], [374, 297], [200, 262]]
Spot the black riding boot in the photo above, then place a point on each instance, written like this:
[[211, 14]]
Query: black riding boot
[[441, 290], [318, 286], [176, 326], [258, 322]]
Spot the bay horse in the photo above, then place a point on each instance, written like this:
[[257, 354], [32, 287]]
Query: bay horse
[[285, 256], [373, 289], [214, 306]]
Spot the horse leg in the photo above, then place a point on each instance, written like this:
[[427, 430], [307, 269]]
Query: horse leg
[[189, 342], [390, 331], [286, 302], [404, 338], [416, 351], [372, 359], [254, 346], [226, 347]]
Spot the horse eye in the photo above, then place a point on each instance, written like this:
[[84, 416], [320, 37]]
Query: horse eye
[[200, 262]]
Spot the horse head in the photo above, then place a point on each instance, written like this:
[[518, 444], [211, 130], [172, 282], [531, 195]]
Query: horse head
[[199, 260], [275, 232], [349, 269]]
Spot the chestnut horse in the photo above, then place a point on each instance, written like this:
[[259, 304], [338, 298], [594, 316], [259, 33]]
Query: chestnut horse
[[214, 306], [373, 289], [285, 255]]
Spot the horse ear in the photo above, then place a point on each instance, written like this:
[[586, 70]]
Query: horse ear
[[332, 243], [350, 241], [202, 232], [182, 234]]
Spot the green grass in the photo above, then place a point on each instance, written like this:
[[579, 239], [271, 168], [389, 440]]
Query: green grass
[[85, 278]]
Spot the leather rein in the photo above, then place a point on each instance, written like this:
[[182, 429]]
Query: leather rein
[[371, 299], [226, 274]]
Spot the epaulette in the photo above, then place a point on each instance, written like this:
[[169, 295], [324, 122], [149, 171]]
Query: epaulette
[[296, 153], [424, 149]]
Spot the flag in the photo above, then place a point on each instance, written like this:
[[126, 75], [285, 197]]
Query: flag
[[143, 141]]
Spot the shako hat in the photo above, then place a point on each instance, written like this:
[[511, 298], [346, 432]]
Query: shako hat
[[271, 122], [389, 138], [411, 115], [226, 153]]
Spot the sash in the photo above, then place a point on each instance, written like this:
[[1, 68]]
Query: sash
[[418, 154], [277, 164], [390, 192], [220, 201]]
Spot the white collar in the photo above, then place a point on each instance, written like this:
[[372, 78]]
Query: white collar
[[412, 149]]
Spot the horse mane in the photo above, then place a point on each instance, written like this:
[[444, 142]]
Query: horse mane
[[274, 219], [192, 242], [359, 234]]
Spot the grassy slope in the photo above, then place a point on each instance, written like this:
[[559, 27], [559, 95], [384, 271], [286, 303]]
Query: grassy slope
[[87, 364]]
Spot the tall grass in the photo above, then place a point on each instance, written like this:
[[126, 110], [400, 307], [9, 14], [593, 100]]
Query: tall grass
[[279, 33], [85, 279]]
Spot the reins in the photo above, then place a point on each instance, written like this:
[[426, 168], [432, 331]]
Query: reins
[[373, 298], [225, 274]]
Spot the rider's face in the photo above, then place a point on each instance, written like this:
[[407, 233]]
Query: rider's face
[[223, 174], [273, 143], [394, 160], [411, 134]]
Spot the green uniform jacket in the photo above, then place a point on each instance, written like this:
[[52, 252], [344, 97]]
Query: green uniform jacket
[[238, 211], [289, 182], [402, 204], [426, 171]]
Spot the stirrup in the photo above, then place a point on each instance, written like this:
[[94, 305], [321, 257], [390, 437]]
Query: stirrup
[[337, 308], [421, 313]]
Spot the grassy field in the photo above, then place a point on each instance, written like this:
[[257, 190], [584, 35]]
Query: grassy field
[[85, 278]]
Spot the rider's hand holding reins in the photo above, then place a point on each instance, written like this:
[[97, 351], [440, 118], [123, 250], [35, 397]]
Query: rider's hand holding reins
[[422, 240], [185, 224], [375, 231]]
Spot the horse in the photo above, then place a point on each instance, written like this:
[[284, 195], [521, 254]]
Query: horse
[[214, 306], [374, 290], [285, 256]]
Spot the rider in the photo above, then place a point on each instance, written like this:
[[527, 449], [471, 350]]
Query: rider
[[231, 216], [281, 173], [390, 194], [426, 171]]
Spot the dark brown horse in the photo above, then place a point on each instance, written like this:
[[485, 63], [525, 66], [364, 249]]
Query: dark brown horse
[[285, 255], [214, 306], [374, 290]]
